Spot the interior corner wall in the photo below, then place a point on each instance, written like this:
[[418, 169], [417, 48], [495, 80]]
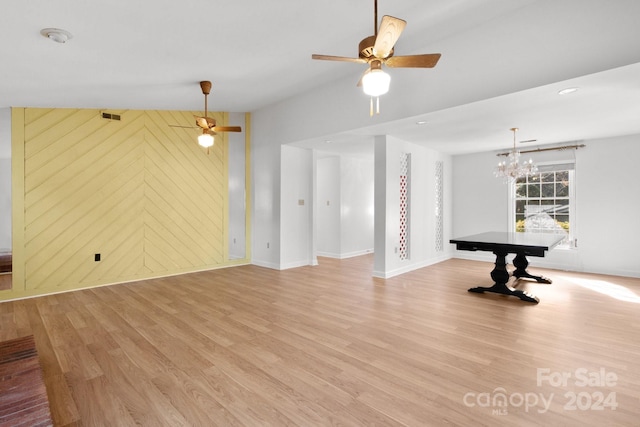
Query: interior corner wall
[[356, 206], [138, 192], [345, 206], [422, 230]]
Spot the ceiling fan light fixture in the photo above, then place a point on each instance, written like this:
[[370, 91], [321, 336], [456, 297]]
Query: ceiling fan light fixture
[[376, 82], [205, 140]]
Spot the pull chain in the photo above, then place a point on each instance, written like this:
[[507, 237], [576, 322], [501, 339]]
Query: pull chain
[[371, 106]]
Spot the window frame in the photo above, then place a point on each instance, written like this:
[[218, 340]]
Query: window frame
[[554, 166]]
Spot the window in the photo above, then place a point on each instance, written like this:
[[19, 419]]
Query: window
[[543, 202]]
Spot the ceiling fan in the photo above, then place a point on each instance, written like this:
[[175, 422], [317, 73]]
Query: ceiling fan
[[208, 124], [377, 50]]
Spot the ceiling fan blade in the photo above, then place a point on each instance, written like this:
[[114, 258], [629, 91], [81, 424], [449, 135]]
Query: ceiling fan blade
[[427, 60], [388, 34], [226, 129], [184, 127], [202, 122], [337, 58]]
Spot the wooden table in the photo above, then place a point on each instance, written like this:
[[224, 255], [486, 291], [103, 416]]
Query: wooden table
[[503, 243]]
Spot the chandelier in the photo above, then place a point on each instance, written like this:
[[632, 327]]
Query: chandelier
[[511, 168]]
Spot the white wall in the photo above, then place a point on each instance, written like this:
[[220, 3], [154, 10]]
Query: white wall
[[328, 197], [265, 190], [356, 206], [5, 178], [480, 201], [296, 208], [607, 205], [345, 195], [422, 232], [237, 203]]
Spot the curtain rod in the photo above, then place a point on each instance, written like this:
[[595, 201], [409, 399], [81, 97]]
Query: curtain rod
[[564, 147]]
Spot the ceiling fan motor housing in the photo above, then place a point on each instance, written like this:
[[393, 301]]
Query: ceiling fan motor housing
[[366, 48]]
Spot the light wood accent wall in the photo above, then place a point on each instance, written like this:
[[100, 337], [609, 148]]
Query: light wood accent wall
[[142, 194]]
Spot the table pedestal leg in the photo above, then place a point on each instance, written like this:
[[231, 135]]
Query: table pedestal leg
[[520, 263], [500, 276]]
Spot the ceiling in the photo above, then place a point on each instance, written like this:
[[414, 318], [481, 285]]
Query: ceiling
[[606, 104], [148, 54]]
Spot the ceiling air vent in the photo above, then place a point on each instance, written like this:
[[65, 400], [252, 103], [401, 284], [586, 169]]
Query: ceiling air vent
[[110, 116]]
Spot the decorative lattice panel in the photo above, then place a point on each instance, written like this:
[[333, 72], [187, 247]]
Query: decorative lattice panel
[[405, 196], [438, 206]]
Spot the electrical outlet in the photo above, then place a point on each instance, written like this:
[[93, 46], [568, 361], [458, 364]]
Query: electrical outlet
[[96, 257]]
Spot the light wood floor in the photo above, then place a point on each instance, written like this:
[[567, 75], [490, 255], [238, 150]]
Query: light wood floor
[[330, 345]]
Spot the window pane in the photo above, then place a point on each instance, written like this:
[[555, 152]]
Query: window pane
[[562, 189], [547, 177], [563, 176], [548, 190], [563, 221], [532, 207], [541, 202]]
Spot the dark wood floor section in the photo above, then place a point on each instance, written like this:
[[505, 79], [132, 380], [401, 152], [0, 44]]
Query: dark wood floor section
[[330, 345], [23, 396], [5, 281]]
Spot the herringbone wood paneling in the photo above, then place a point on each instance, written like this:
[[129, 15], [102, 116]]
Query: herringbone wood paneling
[[142, 194]]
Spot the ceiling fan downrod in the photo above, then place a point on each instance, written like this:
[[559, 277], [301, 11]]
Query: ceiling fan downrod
[[375, 17], [206, 90]]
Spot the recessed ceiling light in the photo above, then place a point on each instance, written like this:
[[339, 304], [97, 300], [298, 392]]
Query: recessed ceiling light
[[328, 141], [567, 91], [56, 34], [422, 122]]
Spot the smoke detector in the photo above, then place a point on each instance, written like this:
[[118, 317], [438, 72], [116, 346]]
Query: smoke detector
[[56, 34]]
